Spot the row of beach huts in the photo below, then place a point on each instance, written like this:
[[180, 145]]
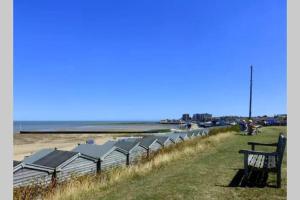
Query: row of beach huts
[[49, 166]]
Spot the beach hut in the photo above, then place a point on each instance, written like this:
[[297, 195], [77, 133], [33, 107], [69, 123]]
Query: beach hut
[[150, 143], [24, 175], [175, 137], [205, 132], [195, 133], [200, 133], [37, 155], [67, 163], [133, 149], [191, 134], [107, 154], [184, 136], [165, 141]]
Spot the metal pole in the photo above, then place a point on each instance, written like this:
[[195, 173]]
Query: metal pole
[[250, 104]]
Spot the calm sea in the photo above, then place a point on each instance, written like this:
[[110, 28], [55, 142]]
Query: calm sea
[[89, 126]]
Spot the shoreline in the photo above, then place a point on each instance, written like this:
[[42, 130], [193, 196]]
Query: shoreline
[[84, 127], [96, 132]]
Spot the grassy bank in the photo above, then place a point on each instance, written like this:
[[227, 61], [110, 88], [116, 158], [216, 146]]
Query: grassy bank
[[198, 169]]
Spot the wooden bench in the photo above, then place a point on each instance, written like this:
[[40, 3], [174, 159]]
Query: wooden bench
[[268, 161]]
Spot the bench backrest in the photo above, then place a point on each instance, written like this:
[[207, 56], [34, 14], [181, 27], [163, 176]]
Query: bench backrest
[[281, 147]]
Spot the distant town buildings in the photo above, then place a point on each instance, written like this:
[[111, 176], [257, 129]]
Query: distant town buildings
[[283, 116], [279, 119], [205, 117], [171, 121], [186, 117]]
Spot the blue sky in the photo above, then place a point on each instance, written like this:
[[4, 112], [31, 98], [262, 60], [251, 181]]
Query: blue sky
[[147, 60]]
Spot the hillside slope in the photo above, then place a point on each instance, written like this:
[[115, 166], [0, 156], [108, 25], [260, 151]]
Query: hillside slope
[[198, 176]]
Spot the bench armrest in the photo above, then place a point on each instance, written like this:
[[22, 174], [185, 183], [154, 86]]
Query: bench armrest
[[262, 144], [253, 144], [258, 153]]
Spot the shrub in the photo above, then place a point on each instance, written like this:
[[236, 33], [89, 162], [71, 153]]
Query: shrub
[[235, 128]]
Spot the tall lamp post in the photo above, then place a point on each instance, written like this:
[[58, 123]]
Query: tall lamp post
[[250, 103], [250, 130]]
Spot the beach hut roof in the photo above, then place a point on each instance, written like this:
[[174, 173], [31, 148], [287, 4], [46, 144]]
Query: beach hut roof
[[190, 134], [162, 139], [174, 135], [146, 141], [109, 144], [126, 145], [96, 151], [37, 155], [55, 158], [19, 165], [205, 130], [16, 163], [182, 135]]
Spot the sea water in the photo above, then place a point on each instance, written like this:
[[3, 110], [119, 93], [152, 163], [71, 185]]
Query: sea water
[[89, 126]]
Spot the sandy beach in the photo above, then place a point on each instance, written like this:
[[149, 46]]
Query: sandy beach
[[26, 144]]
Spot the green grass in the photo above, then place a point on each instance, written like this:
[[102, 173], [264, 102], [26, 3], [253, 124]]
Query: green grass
[[202, 176], [201, 168]]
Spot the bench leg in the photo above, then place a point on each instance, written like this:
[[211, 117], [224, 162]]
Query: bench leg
[[246, 165], [279, 178]]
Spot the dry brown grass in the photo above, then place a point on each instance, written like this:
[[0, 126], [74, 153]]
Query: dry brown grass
[[99, 183]]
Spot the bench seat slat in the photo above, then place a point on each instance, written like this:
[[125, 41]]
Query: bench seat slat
[[261, 161], [263, 158], [258, 161], [250, 158], [253, 160]]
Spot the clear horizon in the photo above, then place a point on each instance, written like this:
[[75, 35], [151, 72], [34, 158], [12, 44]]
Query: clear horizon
[[133, 120], [147, 61]]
